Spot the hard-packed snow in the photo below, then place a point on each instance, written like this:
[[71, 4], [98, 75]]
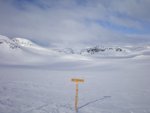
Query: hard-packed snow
[[34, 79]]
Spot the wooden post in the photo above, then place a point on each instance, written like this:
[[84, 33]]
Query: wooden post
[[76, 98], [77, 89]]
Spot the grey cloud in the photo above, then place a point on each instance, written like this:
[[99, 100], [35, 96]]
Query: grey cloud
[[64, 22], [137, 9]]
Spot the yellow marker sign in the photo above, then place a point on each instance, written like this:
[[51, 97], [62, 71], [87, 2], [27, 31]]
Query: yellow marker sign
[[76, 96], [77, 80]]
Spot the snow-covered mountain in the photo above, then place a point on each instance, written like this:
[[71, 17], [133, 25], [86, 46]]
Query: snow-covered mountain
[[65, 50], [25, 51], [105, 51], [23, 45], [23, 42], [7, 43]]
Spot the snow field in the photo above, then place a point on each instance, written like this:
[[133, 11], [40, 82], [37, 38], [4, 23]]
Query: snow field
[[125, 83]]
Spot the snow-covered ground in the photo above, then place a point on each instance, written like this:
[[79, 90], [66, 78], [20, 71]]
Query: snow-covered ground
[[34, 79]]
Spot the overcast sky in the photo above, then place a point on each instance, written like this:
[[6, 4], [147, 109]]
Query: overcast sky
[[76, 22]]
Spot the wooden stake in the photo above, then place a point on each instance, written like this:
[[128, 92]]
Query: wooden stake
[[77, 89]]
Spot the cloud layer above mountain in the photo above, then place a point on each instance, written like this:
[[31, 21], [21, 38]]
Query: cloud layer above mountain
[[76, 22]]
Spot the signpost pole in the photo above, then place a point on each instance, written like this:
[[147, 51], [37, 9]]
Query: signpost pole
[[76, 98], [77, 89]]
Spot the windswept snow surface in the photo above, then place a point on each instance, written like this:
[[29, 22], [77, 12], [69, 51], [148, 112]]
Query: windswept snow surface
[[34, 80]]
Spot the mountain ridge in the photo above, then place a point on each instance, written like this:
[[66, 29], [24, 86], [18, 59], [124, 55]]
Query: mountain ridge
[[24, 50]]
